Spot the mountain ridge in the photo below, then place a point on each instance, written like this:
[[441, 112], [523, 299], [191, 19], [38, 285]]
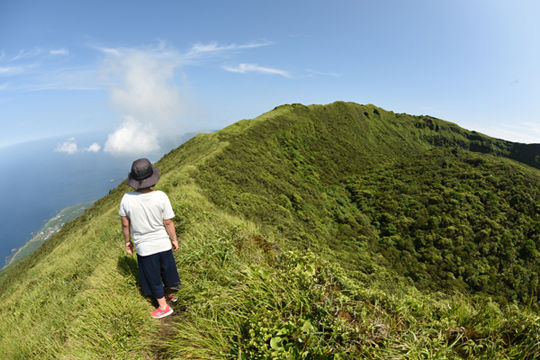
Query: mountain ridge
[[325, 158], [280, 255]]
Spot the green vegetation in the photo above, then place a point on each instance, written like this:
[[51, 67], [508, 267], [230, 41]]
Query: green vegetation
[[312, 232], [459, 220]]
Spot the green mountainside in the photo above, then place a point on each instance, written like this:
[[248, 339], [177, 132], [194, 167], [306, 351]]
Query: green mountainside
[[341, 231]]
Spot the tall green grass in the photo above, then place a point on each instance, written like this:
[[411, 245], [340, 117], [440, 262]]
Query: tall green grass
[[77, 302], [246, 299]]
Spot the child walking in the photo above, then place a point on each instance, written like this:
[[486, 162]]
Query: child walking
[[147, 217]]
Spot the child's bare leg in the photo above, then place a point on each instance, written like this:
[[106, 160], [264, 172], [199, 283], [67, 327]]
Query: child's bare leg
[[162, 303]]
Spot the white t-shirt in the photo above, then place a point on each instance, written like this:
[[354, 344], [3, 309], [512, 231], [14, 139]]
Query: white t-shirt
[[146, 213]]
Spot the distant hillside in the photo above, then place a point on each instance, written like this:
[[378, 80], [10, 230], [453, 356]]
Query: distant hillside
[[339, 231]]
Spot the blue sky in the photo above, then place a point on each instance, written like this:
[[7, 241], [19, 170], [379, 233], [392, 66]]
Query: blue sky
[[142, 70]]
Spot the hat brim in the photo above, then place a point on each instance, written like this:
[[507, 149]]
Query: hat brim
[[152, 180]]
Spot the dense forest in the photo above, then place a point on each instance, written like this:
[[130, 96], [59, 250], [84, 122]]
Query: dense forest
[[456, 220], [339, 231]]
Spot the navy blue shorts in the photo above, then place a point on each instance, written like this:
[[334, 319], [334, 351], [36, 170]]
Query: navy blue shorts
[[158, 272]]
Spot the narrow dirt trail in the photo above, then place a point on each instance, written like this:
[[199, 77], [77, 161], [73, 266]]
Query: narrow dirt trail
[[166, 333]]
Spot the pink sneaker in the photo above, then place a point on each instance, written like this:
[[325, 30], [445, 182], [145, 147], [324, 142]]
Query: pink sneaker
[[159, 312]]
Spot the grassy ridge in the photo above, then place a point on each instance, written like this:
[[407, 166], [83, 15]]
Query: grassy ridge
[[275, 258]]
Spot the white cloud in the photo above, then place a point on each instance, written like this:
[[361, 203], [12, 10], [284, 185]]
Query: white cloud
[[95, 147], [39, 70], [144, 86], [11, 70], [205, 48], [26, 54], [62, 51], [132, 138], [214, 48], [245, 68], [109, 51], [332, 74], [69, 147]]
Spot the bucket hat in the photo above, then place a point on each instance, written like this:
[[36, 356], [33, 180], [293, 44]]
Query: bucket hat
[[142, 174]]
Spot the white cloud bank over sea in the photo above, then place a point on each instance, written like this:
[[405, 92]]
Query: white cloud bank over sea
[[70, 147]]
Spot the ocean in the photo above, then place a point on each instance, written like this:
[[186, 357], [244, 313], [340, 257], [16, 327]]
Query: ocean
[[38, 182]]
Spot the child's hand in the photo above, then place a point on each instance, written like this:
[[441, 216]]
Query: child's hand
[[174, 244], [129, 247]]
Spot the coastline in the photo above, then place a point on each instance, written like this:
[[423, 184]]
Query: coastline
[[51, 227]]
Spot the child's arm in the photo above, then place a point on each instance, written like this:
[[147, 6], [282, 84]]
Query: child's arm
[[127, 236], [169, 226]]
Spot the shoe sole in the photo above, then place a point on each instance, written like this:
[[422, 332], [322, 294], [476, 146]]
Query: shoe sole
[[163, 315]]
